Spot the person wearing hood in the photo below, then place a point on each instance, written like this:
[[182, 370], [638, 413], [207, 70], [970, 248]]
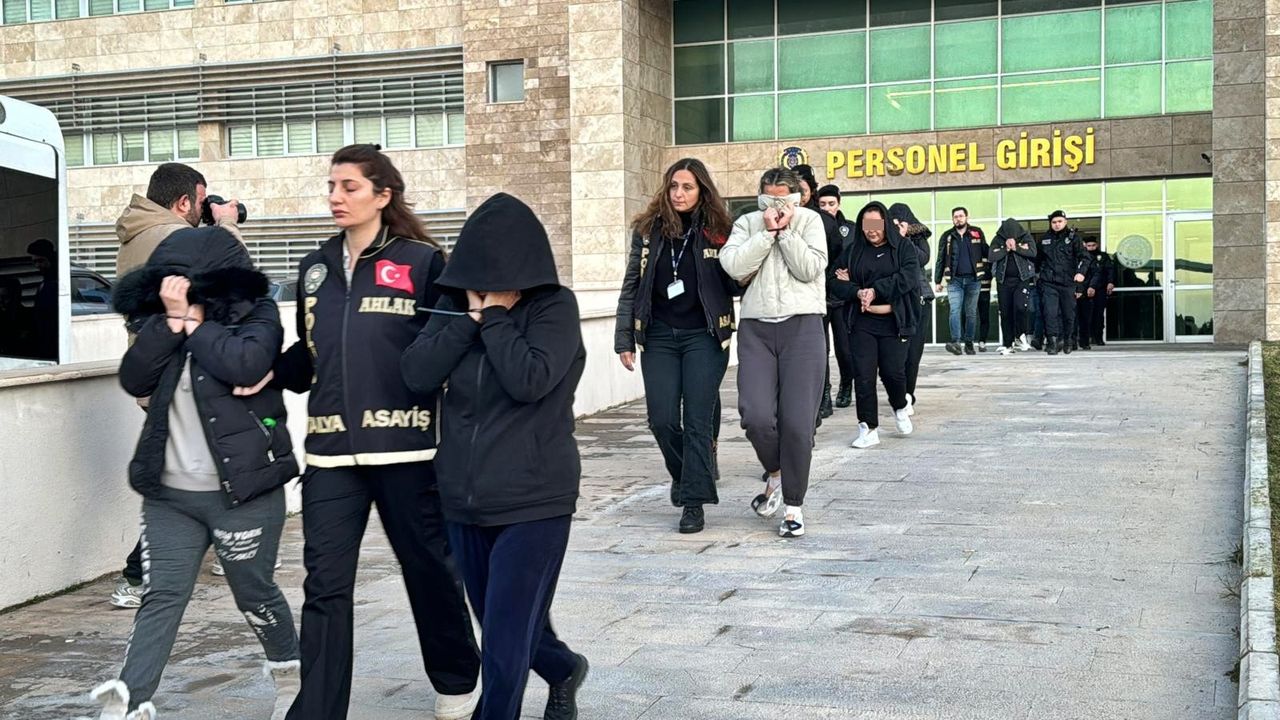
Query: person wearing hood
[[780, 253], [505, 340], [879, 278], [175, 194], [1013, 257], [210, 464], [679, 310], [370, 437], [910, 228], [1063, 262], [808, 186], [839, 231]]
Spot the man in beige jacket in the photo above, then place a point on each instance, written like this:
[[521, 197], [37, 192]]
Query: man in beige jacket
[[174, 198], [780, 254]]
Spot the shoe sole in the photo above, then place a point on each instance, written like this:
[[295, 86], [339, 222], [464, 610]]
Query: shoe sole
[[690, 531], [791, 533], [906, 430], [127, 604], [771, 504], [864, 447], [463, 713]]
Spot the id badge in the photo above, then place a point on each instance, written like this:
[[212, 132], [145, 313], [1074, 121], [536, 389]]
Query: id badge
[[675, 289]]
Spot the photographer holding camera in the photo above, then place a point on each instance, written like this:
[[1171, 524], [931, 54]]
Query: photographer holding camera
[[175, 200]]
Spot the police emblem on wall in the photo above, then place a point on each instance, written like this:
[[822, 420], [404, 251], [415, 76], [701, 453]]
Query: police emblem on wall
[[1134, 252], [314, 278], [792, 156]]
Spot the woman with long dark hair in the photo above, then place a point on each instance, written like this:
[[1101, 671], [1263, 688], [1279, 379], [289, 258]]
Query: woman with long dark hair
[[677, 306], [910, 228], [370, 438], [880, 282]]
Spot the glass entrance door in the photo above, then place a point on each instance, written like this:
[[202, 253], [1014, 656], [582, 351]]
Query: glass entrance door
[[1189, 287]]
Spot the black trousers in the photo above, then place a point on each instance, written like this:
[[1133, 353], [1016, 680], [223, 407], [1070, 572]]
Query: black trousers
[[1058, 303], [1084, 318], [1015, 309], [335, 511], [133, 565], [984, 314], [915, 348], [511, 573], [837, 325], [886, 354], [1097, 323], [682, 372]]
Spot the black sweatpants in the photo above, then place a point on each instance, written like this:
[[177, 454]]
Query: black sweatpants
[[335, 511], [915, 348], [984, 314], [888, 354], [1058, 303], [1015, 309], [511, 573], [837, 323]]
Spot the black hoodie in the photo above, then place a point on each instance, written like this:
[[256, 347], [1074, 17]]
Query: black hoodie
[[900, 289], [1024, 253], [235, 345], [920, 238], [507, 452]]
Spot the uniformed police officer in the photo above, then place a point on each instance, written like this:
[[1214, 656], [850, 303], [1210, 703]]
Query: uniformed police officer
[[1099, 284], [1063, 263]]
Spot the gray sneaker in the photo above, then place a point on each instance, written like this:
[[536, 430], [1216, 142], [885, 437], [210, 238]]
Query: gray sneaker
[[127, 595]]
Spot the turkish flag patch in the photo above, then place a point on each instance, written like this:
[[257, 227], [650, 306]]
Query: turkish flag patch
[[394, 276]]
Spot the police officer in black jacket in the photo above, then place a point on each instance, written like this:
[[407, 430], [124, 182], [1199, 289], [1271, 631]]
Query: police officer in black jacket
[[1063, 263], [370, 438], [507, 338], [839, 234], [1099, 283]]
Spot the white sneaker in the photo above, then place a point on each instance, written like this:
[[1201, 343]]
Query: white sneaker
[[287, 677], [1005, 351], [767, 503], [792, 525], [127, 596], [114, 697], [145, 711], [867, 437], [911, 405], [1024, 345], [904, 421], [457, 707], [982, 346]]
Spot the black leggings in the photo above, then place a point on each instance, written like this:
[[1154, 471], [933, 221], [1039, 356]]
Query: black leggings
[[888, 354], [915, 349], [1015, 305]]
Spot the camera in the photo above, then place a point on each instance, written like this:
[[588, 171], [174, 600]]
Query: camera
[[206, 210]]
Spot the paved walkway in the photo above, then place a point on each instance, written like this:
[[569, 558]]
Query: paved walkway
[[1055, 541]]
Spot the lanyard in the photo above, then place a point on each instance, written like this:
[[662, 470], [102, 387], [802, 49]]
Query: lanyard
[[675, 258]]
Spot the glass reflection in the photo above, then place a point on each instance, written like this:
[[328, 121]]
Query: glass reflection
[[28, 266]]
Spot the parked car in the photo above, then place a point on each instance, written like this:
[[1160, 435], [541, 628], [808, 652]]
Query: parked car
[[90, 292], [285, 290]]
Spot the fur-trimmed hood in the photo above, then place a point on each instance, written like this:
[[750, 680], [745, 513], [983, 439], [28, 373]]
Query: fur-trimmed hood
[[222, 276]]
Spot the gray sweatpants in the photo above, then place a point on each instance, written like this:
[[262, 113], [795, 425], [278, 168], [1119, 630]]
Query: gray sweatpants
[[781, 368], [177, 528]]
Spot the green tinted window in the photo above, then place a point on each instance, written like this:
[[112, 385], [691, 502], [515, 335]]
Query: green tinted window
[[698, 20], [68, 9], [41, 9], [1141, 196], [1051, 96], [898, 12], [128, 5], [188, 143], [1046, 42], [699, 121], [751, 118], [965, 103], [106, 149], [1037, 201], [101, 7], [699, 70], [962, 9], [1188, 28], [900, 54], [921, 203], [819, 114], [900, 108], [751, 66], [822, 61], [964, 49], [1133, 90], [750, 18], [74, 150], [1189, 194], [15, 11], [981, 204], [1133, 33], [1188, 86], [802, 17], [133, 146]]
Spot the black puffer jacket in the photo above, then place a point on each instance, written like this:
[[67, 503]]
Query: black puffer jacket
[[360, 412], [507, 451], [901, 289], [1061, 257], [1023, 255], [635, 303], [839, 233], [234, 346]]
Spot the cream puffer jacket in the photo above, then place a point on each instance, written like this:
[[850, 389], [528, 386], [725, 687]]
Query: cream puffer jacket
[[786, 275]]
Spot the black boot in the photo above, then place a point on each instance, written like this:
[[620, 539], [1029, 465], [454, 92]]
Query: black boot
[[824, 406], [1068, 345], [968, 349], [1037, 342], [845, 397], [1051, 345], [692, 520]]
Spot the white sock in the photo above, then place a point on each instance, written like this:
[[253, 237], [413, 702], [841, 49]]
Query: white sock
[[775, 482], [795, 512]]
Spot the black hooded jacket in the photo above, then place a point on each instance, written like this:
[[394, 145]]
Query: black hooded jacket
[[1023, 254], [920, 238], [635, 303], [507, 450], [234, 346], [901, 289], [359, 411]]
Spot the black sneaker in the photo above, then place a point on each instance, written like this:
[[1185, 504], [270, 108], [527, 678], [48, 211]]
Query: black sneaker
[[692, 520], [968, 349], [562, 698], [954, 348]]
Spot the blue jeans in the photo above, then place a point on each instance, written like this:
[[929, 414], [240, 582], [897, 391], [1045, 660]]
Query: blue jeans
[[962, 292]]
